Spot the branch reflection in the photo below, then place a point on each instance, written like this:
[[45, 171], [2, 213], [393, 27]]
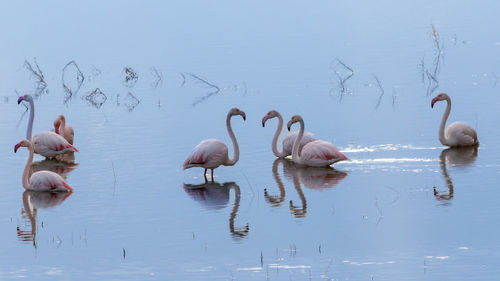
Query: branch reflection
[[456, 156], [215, 196]]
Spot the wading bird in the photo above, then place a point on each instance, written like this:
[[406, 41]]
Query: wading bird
[[65, 131], [316, 153], [42, 180], [48, 144], [458, 133], [288, 140], [212, 153]]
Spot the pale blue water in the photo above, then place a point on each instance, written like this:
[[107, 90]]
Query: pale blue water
[[135, 215]]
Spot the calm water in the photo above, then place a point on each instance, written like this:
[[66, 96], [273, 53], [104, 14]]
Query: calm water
[[404, 208]]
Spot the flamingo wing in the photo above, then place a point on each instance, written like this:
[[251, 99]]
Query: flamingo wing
[[48, 181], [462, 134], [50, 144], [289, 140], [210, 154], [321, 153]]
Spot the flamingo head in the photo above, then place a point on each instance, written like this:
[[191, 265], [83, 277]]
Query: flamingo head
[[440, 97], [26, 97], [271, 114], [23, 143], [295, 119], [237, 111]]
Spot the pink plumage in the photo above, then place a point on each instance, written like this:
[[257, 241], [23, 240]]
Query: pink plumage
[[212, 153]]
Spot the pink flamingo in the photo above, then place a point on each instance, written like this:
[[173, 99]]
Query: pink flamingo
[[42, 180], [316, 153], [48, 144], [212, 153], [458, 133], [287, 141], [66, 131]]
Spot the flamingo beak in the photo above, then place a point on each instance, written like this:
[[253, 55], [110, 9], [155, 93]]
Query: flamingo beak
[[16, 147], [434, 100], [244, 116], [264, 121], [20, 99], [289, 125]]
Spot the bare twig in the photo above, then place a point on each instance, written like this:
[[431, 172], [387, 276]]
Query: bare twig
[[382, 92], [131, 77], [41, 85], [79, 80], [131, 102], [342, 80], [96, 98], [183, 79], [158, 77], [215, 88]]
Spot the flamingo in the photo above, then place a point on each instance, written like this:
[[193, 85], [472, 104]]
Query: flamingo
[[66, 131], [42, 180], [212, 153], [458, 133], [48, 144], [317, 153], [287, 141]]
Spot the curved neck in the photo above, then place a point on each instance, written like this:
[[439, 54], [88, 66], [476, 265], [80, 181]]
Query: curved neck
[[296, 144], [236, 206], [61, 128], [276, 152], [236, 156], [442, 137], [273, 199], [298, 212], [30, 122], [26, 173]]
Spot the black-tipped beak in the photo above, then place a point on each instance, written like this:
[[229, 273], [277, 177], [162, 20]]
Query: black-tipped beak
[[263, 124], [244, 118], [432, 105], [19, 100], [16, 147], [288, 127]]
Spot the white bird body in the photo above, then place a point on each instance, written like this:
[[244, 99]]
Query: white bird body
[[457, 133], [42, 180], [212, 153], [289, 140], [209, 153], [50, 144], [317, 153]]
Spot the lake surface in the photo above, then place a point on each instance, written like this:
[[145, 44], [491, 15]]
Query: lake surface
[[159, 77]]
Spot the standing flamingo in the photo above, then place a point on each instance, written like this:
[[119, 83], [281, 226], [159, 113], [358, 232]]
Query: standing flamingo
[[66, 131], [42, 180], [458, 133], [48, 144], [316, 153], [212, 153], [287, 141]]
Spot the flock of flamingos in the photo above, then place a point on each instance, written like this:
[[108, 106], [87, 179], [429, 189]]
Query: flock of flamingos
[[211, 153]]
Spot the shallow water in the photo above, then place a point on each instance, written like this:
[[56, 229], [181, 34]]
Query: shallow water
[[404, 208]]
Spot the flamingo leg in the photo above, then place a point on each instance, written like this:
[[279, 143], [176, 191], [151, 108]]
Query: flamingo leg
[[205, 175], [212, 175]]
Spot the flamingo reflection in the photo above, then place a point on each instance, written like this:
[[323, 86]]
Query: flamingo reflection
[[315, 178], [56, 166], [215, 196], [32, 201], [457, 156]]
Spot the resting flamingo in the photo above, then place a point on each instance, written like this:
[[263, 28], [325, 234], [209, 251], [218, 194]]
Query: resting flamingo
[[66, 131], [317, 153], [48, 144], [212, 153], [42, 180], [287, 141], [458, 133]]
